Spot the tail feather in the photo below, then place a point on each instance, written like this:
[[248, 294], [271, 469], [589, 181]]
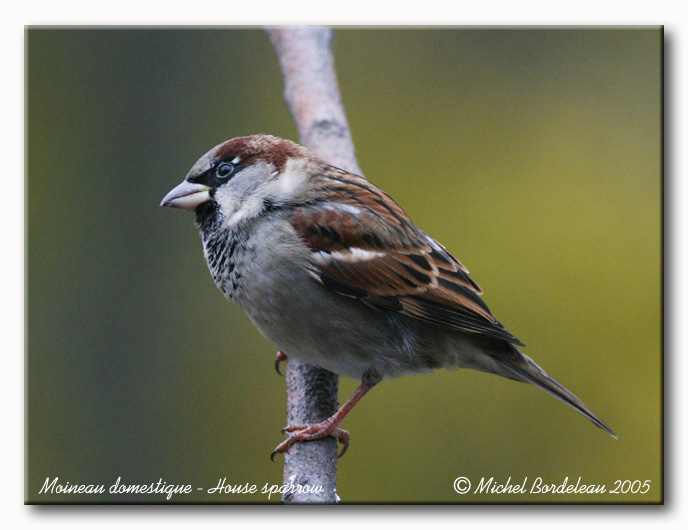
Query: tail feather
[[522, 368]]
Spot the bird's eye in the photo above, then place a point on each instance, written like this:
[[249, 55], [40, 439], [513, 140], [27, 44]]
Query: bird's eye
[[225, 169]]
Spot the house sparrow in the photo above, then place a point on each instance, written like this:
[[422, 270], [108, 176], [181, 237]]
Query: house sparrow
[[333, 272]]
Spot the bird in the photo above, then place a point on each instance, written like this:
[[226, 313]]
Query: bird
[[331, 270]]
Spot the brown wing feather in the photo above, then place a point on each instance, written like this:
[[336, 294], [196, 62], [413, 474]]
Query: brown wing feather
[[365, 246]]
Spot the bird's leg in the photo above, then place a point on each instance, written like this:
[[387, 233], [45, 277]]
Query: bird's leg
[[281, 357], [330, 426]]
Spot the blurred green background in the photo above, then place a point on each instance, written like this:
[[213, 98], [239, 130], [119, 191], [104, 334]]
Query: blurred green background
[[533, 155]]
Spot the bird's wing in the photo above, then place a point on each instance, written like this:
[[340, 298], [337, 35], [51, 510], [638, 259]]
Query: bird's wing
[[364, 246]]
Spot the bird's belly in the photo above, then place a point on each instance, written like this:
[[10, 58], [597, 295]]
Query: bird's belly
[[307, 321]]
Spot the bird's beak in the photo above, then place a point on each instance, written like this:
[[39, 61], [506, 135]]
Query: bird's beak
[[186, 196]]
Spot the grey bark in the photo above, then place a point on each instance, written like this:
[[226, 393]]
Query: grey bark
[[312, 95]]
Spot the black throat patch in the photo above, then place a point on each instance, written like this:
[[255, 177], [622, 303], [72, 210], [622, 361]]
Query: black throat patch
[[221, 246]]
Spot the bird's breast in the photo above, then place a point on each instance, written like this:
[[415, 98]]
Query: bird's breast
[[227, 252]]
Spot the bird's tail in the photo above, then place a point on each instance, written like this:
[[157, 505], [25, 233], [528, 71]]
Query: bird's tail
[[520, 367]]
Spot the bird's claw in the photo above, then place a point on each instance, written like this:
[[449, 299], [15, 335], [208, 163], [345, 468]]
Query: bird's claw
[[279, 359], [313, 431]]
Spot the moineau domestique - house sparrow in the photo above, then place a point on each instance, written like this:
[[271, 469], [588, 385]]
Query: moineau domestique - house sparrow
[[333, 272]]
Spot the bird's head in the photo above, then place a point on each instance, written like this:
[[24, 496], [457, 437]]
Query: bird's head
[[243, 177]]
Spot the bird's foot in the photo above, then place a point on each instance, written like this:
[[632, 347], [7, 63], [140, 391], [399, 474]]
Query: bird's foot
[[328, 427], [279, 359], [312, 431]]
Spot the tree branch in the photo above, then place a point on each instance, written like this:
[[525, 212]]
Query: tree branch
[[312, 95]]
